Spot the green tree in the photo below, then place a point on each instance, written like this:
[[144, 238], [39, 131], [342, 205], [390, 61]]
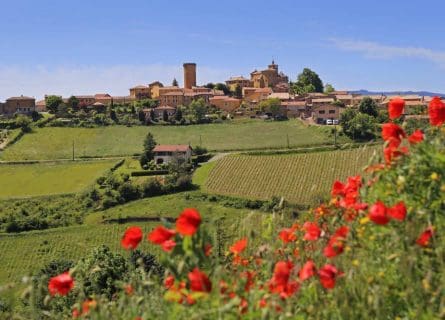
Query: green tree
[[149, 144], [307, 81], [52, 103], [178, 114], [368, 106], [329, 88], [175, 82], [198, 109], [238, 92], [222, 87], [210, 85], [362, 127], [73, 103], [165, 116], [272, 105], [113, 115], [23, 122], [141, 116]]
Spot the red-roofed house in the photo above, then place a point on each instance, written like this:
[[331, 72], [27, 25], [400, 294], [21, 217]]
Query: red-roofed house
[[164, 153]]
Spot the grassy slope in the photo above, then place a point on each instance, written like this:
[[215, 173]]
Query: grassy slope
[[23, 253], [48, 178], [56, 143], [300, 178]]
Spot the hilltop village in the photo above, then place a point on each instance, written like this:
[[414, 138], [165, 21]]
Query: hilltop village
[[267, 93]]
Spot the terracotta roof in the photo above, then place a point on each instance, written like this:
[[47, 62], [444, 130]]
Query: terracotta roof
[[98, 104], [265, 90], [20, 98], [240, 78], [102, 95], [280, 95], [294, 103], [343, 96], [165, 108], [141, 86], [174, 93], [322, 100], [224, 98], [171, 148], [84, 97], [41, 103]]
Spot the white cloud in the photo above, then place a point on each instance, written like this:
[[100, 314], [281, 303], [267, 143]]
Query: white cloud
[[116, 80], [376, 50]]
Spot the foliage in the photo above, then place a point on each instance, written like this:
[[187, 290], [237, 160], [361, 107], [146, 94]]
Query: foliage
[[271, 105], [328, 88], [238, 92], [53, 103], [368, 106], [23, 122], [149, 144], [175, 82], [307, 81], [198, 109], [361, 127]]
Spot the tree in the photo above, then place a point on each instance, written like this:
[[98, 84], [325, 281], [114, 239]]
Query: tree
[[52, 103], [152, 115], [113, 115], [141, 116], [328, 88], [368, 106], [272, 105], [210, 85], [147, 155], [307, 81], [238, 92], [198, 109], [222, 87], [362, 127], [175, 83], [23, 122], [73, 103], [178, 114], [165, 116]]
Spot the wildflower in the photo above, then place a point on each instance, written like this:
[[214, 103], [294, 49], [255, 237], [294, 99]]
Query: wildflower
[[398, 211], [312, 231], [308, 270], [336, 243], [188, 222], [61, 284], [199, 281], [436, 110], [87, 305], [169, 282], [280, 280], [391, 153], [393, 134], [378, 213], [287, 235], [395, 108], [208, 249], [132, 237], [238, 246], [168, 245], [75, 313], [425, 237], [129, 289], [328, 275], [162, 236], [434, 176], [416, 137]]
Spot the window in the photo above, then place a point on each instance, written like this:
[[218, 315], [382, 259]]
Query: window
[[322, 112], [331, 111]]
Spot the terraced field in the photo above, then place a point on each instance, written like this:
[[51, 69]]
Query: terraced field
[[299, 178]]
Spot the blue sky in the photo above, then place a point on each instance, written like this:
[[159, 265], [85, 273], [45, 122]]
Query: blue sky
[[84, 47]]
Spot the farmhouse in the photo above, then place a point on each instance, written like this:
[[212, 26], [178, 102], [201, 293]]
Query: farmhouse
[[225, 103], [323, 112], [164, 153], [159, 111], [19, 105]]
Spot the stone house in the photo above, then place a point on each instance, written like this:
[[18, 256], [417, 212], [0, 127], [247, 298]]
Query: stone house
[[159, 111], [18, 105], [323, 112], [225, 103], [164, 153]]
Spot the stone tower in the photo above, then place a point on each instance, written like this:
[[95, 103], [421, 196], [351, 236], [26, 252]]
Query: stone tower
[[189, 75]]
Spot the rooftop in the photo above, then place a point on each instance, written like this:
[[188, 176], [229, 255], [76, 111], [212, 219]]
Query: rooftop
[[171, 148]]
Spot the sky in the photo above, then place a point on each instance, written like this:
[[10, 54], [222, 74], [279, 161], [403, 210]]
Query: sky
[[97, 46]]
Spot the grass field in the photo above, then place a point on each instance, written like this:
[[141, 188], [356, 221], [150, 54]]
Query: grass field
[[56, 143], [27, 180], [23, 253], [299, 178]]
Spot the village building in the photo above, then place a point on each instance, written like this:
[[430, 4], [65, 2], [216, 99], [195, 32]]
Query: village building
[[140, 92], [326, 111], [164, 153], [296, 109], [160, 111], [253, 96], [41, 106], [225, 103], [346, 99], [268, 78], [240, 81], [103, 98], [378, 98], [18, 105]]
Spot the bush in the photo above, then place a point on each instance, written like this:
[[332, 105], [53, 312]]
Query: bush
[[152, 187]]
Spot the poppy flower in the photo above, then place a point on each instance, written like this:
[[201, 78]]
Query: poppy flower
[[208, 249], [75, 313], [398, 211], [336, 243], [436, 110], [391, 153], [168, 245], [160, 234], [424, 239], [129, 289], [395, 108], [378, 213], [132, 237], [249, 276], [169, 282], [199, 281], [280, 280], [238, 246], [337, 189], [61, 284], [416, 137], [328, 275], [393, 134], [87, 305], [308, 270], [188, 222], [312, 231], [287, 235]]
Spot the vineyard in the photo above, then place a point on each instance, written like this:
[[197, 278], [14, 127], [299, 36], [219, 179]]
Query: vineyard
[[299, 178]]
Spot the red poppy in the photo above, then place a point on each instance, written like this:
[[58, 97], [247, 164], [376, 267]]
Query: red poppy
[[280, 280], [436, 110], [160, 234], [129, 289], [188, 222], [425, 237], [336, 243], [328, 275], [249, 276], [312, 231], [208, 249], [395, 108], [398, 211], [287, 235], [199, 281], [76, 313], [132, 237], [416, 137], [87, 305], [307, 271], [391, 153], [168, 245], [61, 284], [378, 213], [238, 246], [169, 282], [393, 134], [337, 189]]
